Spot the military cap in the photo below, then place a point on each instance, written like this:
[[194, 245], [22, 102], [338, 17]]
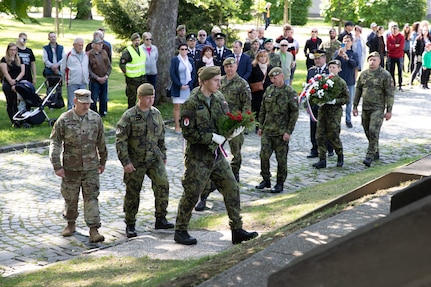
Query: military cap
[[191, 37], [209, 72], [373, 54], [275, 72], [97, 40], [135, 36], [220, 36], [146, 89], [317, 54], [256, 40], [83, 96], [335, 62], [267, 40], [180, 27], [229, 61]]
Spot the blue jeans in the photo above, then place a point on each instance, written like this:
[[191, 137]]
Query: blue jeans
[[70, 95], [99, 92], [350, 104]]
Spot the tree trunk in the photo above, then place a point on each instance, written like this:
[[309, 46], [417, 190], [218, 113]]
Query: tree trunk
[[162, 22], [47, 8], [84, 10]]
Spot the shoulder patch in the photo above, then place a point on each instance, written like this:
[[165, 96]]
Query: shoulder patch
[[186, 121]]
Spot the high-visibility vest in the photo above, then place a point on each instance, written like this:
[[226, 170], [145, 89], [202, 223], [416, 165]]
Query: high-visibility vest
[[136, 67]]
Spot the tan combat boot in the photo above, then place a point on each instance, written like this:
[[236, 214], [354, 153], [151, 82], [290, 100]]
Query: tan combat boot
[[69, 229], [95, 236]]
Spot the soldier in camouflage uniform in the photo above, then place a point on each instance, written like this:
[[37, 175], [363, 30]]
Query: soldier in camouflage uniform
[[274, 58], [277, 119], [140, 143], [238, 95], [329, 119], [78, 136], [204, 160], [376, 88]]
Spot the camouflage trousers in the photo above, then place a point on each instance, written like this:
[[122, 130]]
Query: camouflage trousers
[[156, 171], [88, 182], [270, 144], [132, 85], [235, 145], [328, 128], [372, 121], [199, 171]]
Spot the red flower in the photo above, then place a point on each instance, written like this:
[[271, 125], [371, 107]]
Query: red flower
[[312, 91], [330, 76], [325, 86], [249, 112], [319, 77]]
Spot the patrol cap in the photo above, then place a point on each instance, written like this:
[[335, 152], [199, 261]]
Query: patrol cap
[[275, 72], [146, 89], [317, 54], [209, 72], [191, 37], [220, 36], [373, 54], [180, 27], [335, 62], [267, 40], [97, 40], [83, 96], [135, 36], [229, 61], [256, 40]]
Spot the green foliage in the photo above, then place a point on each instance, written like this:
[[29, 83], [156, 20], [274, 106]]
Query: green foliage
[[298, 11], [341, 9], [16, 8]]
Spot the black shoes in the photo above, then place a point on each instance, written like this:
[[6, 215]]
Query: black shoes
[[340, 160], [240, 235], [312, 155], [202, 204], [320, 164], [277, 188], [162, 223], [367, 161], [330, 153], [130, 231], [349, 125], [264, 184], [183, 237], [236, 177], [377, 156]]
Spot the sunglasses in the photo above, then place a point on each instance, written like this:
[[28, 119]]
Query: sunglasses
[[149, 39], [313, 31], [202, 35], [183, 49], [284, 45]]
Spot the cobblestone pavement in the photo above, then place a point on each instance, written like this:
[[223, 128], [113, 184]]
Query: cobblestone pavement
[[31, 204]]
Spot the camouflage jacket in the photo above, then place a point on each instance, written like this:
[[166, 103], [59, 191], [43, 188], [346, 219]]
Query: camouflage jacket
[[82, 140], [376, 89], [279, 111], [274, 59], [199, 120], [237, 93], [140, 136]]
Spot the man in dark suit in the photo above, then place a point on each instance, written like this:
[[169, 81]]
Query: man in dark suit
[[193, 53], [318, 68], [242, 60], [220, 51]]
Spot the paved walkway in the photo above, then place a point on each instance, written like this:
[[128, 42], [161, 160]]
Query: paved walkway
[[31, 204]]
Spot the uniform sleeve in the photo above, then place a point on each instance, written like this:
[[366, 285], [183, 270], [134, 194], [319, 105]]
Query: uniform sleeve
[[125, 58], [161, 142], [358, 92], [344, 97], [56, 145], [246, 97], [101, 144], [293, 112], [389, 93], [121, 140]]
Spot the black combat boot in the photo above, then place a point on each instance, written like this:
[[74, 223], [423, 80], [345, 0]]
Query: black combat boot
[[320, 164], [202, 204], [340, 160], [277, 188], [367, 161], [130, 231], [240, 235], [236, 175], [162, 223], [264, 184], [183, 237], [377, 156]]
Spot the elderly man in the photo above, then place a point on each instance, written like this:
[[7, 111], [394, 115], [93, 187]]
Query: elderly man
[[204, 159], [84, 158], [277, 119], [375, 87], [132, 64], [74, 68]]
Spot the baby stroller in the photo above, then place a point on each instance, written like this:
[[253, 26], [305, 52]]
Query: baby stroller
[[54, 83], [30, 116]]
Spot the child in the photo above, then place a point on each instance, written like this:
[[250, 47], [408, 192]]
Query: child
[[426, 66], [329, 119]]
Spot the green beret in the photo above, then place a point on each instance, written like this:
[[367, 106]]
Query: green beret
[[135, 36], [209, 72], [268, 40], [146, 90], [229, 61], [275, 72], [373, 54]]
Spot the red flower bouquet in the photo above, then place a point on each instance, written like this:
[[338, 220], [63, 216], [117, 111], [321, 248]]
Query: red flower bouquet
[[232, 120]]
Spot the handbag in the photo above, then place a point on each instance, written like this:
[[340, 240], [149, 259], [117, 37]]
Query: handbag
[[256, 87]]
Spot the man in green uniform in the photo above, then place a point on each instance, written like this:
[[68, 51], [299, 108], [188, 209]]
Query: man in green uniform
[[277, 119], [204, 159], [238, 95], [79, 137], [376, 88], [274, 58], [140, 142], [329, 118], [132, 64]]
